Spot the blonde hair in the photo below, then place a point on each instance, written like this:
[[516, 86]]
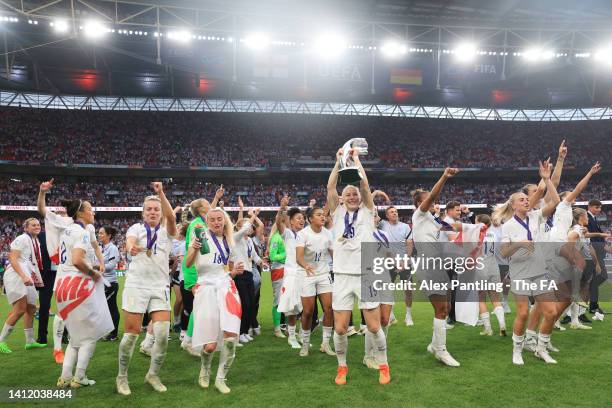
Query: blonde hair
[[196, 205], [151, 198], [349, 187], [27, 222], [228, 227], [577, 213], [503, 212]]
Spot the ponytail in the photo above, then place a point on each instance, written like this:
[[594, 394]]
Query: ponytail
[[72, 207]]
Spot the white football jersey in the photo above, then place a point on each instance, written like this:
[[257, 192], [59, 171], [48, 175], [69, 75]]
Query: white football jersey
[[149, 272], [347, 250], [212, 265], [73, 237], [316, 249]]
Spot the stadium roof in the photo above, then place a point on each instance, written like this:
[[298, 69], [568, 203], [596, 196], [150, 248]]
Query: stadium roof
[[539, 14], [571, 41]]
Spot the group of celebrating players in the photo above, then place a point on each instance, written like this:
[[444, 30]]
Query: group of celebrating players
[[320, 256]]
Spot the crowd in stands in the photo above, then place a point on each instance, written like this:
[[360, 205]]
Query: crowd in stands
[[255, 140], [130, 192]]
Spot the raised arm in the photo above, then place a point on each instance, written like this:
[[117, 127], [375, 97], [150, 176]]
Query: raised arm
[[556, 175], [539, 193], [583, 183], [167, 211], [280, 215], [246, 227], [437, 188], [550, 206], [218, 194], [364, 185], [332, 194], [42, 193], [241, 210]]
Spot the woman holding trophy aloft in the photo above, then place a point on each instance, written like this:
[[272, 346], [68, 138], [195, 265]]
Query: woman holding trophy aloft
[[353, 224]]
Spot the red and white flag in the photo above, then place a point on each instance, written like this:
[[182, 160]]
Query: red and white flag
[[82, 304]]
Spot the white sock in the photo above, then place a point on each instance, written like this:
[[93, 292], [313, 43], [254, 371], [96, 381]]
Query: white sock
[[148, 341], [70, 359], [340, 345], [206, 360], [58, 331], [501, 317], [85, 353], [380, 347], [439, 336], [574, 313], [392, 316], [408, 312], [158, 351], [305, 338], [518, 342], [177, 319], [327, 334], [486, 321], [386, 330], [187, 339], [6, 331], [29, 335], [291, 331], [530, 335], [228, 354], [369, 344], [126, 349], [543, 340]]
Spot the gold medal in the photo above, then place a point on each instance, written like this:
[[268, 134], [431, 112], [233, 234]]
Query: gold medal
[[149, 252]]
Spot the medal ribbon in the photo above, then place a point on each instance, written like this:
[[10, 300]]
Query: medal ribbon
[[224, 257], [347, 226], [525, 225], [151, 240]]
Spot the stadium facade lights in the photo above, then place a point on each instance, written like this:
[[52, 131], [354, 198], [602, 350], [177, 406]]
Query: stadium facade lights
[[33, 22], [537, 54], [604, 56], [465, 52], [393, 49], [257, 41], [181, 36], [9, 19], [330, 45], [95, 29], [59, 26]]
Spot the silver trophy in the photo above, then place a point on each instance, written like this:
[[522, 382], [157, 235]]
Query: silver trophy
[[349, 172]]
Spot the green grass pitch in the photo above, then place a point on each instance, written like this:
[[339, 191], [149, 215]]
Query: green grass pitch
[[268, 373]]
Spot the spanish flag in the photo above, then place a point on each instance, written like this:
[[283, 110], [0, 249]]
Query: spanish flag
[[403, 76]]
